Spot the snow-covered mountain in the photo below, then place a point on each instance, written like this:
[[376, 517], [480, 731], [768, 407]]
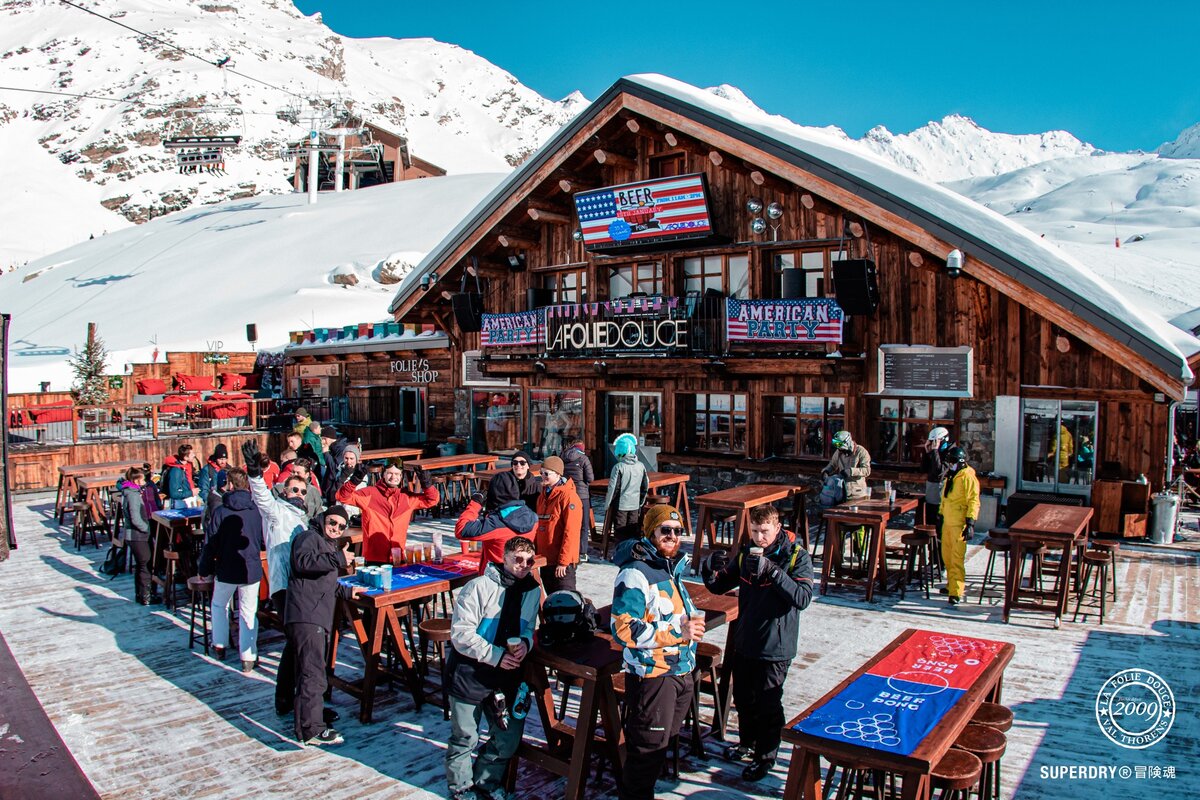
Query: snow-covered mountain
[[74, 167]]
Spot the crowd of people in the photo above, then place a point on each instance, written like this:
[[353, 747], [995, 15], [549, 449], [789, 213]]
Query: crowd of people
[[297, 513]]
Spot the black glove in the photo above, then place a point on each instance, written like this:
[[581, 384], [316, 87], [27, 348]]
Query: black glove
[[344, 474], [969, 530], [752, 566], [250, 456], [478, 497], [357, 476], [716, 561], [423, 477]]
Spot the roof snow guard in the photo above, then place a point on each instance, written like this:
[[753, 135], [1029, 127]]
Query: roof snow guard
[[957, 221]]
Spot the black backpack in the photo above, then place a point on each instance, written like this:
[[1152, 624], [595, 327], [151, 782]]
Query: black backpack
[[567, 618]]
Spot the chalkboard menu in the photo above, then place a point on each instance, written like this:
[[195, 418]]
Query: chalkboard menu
[[908, 371], [473, 375]]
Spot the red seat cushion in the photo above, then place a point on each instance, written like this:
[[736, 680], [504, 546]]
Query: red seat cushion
[[194, 383], [152, 386]]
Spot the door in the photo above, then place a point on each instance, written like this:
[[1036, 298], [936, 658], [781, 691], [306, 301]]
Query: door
[[412, 415], [1058, 446], [638, 413]]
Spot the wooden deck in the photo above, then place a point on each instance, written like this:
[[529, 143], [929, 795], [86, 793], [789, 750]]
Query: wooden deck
[[145, 718]]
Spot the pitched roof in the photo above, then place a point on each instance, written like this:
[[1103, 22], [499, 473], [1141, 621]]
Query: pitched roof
[[960, 222]]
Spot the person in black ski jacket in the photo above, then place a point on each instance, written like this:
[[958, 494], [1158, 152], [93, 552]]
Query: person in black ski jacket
[[773, 588], [312, 591], [578, 467]]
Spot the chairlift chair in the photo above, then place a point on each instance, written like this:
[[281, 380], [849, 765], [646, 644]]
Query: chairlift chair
[[182, 135]]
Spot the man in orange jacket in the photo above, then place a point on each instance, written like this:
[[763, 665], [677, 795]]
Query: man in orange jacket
[[560, 513], [386, 509]]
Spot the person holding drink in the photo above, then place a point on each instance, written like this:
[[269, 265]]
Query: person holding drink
[[491, 633], [386, 508], [658, 626], [774, 576]]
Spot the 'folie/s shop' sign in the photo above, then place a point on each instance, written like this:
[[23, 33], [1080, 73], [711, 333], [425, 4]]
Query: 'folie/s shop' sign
[[801, 321]]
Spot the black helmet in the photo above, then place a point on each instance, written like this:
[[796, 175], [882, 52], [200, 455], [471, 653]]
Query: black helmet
[[956, 455]]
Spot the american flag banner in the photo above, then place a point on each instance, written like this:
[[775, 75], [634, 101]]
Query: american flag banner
[[513, 330], [809, 320], [632, 213]]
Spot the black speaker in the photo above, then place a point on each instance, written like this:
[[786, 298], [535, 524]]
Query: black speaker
[[538, 298], [468, 311], [252, 333], [855, 286], [791, 284]]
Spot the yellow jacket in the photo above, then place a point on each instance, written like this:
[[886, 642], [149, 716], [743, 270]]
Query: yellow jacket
[[960, 499]]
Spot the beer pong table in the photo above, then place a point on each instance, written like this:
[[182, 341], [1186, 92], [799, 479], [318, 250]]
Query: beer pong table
[[900, 712]]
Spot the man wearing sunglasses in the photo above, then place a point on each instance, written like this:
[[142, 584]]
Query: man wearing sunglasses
[[490, 634], [387, 508], [517, 481], [656, 623], [312, 590]]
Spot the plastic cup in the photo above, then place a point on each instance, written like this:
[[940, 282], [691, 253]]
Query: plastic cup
[[397, 556], [756, 551], [513, 644]]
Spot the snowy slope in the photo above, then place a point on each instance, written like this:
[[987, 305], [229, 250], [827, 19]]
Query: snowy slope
[[458, 110], [204, 274]]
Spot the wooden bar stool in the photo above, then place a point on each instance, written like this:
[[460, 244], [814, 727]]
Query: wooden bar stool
[[708, 664], [995, 545], [443, 505], [935, 549], [1094, 561], [80, 510], [1112, 548], [171, 570], [916, 556], [988, 745], [435, 631], [1034, 554], [993, 715], [201, 590], [956, 774]]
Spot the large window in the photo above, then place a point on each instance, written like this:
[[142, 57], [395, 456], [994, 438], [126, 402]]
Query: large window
[[815, 268], [554, 414], [495, 421], [802, 427], [568, 286], [646, 278], [713, 422], [903, 425], [1058, 445], [729, 275]]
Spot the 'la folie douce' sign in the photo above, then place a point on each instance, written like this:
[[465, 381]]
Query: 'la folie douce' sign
[[799, 321], [634, 326]]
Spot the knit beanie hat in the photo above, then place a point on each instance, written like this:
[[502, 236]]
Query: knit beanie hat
[[337, 511], [554, 463], [657, 515]]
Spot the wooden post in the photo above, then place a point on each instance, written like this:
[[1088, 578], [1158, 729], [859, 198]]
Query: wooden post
[[566, 186], [553, 217], [8, 537], [253, 415], [610, 159], [154, 421]]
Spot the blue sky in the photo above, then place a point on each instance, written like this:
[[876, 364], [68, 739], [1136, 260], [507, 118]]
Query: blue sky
[[1119, 75]]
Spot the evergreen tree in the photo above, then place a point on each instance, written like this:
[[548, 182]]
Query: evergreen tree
[[90, 387]]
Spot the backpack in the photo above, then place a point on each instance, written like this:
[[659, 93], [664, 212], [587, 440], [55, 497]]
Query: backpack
[[833, 492], [114, 561], [567, 618]]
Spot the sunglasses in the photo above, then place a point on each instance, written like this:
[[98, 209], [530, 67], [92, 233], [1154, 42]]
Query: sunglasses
[[523, 562], [670, 533], [337, 526], [520, 463], [296, 490]]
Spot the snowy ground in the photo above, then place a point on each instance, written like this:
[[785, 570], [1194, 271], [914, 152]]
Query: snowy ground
[[145, 718]]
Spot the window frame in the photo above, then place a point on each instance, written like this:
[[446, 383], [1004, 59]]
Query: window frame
[[799, 418], [902, 420], [553, 280], [707, 273], [689, 414], [774, 272], [653, 285]]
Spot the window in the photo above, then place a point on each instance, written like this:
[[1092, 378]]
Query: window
[[495, 421], [729, 275], [554, 414], [802, 427], [815, 267], [626, 279], [568, 287], [1058, 445], [713, 422], [667, 165], [903, 426]]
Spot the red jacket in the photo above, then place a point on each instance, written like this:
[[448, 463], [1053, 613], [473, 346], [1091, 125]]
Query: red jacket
[[286, 472], [560, 513], [270, 475], [385, 515], [491, 532]]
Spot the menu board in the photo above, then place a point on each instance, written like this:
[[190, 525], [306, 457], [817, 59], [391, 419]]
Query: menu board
[[919, 371], [474, 376]]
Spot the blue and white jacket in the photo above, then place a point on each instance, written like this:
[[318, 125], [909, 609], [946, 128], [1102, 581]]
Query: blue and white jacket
[[476, 636], [649, 606]]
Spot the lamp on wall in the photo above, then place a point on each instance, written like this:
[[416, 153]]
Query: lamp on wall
[[754, 205], [954, 263], [577, 234], [758, 225], [516, 261]]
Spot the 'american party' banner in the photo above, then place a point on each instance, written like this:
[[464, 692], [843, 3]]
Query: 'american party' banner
[[802, 321], [513, 330]]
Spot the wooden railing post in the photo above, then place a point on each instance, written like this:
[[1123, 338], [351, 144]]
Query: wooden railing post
[[154, 420], [76, 420], [253, 415]]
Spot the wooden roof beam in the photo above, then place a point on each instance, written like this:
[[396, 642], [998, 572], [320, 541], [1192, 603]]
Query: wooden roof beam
[[511, 241], [552, 217], [610, 159]]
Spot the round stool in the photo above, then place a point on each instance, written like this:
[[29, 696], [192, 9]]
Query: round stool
[[994, 545], [443, 503], [708, 661], [78, 528], [201, 590], [956, 774], [1097, 561], [436, 630], [988, 745], [170, 572], [1111, 548], [916, 550], [1035, 554], [935, 546], [657, 500], [993, 715]]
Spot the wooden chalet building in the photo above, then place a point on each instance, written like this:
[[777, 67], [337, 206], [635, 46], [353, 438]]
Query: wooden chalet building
[[733, 289]]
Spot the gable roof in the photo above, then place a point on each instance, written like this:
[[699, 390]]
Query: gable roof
[[984, 235]]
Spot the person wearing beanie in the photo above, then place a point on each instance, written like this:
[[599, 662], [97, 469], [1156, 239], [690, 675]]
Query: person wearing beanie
[[559, 519], [578, 467], [213, 475], [774, 583], [313, 588], [510, 518], [628, 485], [347, 463], [657, 626], [527, 485]]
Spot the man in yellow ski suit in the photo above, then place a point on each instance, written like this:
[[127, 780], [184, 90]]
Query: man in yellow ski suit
[[959, 510]]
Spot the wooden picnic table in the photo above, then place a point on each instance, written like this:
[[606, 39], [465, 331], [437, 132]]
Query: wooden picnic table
[[468, 461], [1054, 526], [390, 452], [658, 480], [875, 694], [69, 473], [873, 515], [92, 487], [167, 527], [718, 609], [740, 500]]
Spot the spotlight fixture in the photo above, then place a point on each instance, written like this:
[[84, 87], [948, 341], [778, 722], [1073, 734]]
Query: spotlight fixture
[[600, 367], [775, 211], [759, 225], [425, 282], [577, 234], [516, 261], [539, 365], [954, 263], [754, 205]]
